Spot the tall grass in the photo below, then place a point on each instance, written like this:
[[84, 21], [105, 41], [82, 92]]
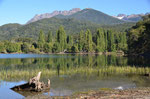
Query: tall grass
[[26, 74]]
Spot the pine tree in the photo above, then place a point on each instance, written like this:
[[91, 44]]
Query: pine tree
[[100, 40], [47, 48], [118, 41], [41, 37], [49, 39], [2, 47], [106, 40], [113, 45], [86, 35], [61, 38], [69, 43], [41, 40], [81, 40], [89, 41], [70, 40], [123, 41], [111, 41], [74, 48]]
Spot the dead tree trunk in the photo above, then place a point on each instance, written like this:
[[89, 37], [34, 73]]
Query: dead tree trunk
[[34, 84]]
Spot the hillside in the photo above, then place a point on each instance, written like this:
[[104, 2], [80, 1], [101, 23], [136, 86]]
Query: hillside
[[87, 14], [71, 26], [94, 16], [139, 38], [91, 15], [8, 30], [73, 21], [32, 30]]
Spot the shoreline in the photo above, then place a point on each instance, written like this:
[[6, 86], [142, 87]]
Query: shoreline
[[108, 93], [80, 53], [103, 93]]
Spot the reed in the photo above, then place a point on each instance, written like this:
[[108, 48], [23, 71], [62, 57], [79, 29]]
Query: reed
[[25, 74]]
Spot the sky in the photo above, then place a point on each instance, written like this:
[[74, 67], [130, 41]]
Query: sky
[[21, 11]]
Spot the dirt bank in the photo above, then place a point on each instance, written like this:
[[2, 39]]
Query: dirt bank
[[137, 93]]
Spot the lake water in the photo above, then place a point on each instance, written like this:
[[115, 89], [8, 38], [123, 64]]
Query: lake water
[[67, 73]]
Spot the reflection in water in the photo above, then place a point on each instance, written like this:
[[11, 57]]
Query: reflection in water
[[31, 93], [7, 93], [139, 61], [66, 85], [98, 71], [62, 61]]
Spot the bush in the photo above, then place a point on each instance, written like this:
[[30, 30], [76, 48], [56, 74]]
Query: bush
[[12, 47]]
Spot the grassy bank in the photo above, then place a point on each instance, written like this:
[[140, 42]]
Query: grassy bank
[[25, 74]]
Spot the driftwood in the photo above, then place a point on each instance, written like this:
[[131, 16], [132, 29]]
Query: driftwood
[[34, 84]]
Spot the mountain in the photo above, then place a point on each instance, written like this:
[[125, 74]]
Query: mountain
[[147, 13], [94, 16], [49, 15], [91, 15], [8, 30], [73, 21], [71, 26], [87, 14], [132, 17], [32, 30]]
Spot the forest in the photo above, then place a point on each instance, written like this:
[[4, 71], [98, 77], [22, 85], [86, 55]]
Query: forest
[[84, 42], [139, 38], [132, 41]]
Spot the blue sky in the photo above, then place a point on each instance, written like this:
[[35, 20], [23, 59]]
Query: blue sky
[[20, 11]]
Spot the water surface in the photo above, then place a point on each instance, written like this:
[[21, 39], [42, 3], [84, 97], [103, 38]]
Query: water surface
[[62, 82]]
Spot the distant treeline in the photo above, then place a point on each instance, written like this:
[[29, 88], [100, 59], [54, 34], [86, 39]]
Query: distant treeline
[[101, 41]]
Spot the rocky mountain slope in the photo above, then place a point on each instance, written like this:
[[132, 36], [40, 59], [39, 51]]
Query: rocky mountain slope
[[94, 16], [132, 17], [87, 14], [49, 15]]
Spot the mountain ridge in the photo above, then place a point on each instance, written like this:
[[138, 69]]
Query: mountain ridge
[[73, 24], [131, 17], [94, 16], [54, 13], [70, 13], [87, 14]]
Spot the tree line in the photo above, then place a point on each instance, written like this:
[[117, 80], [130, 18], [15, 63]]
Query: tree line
[[83, 42], [139, 38]]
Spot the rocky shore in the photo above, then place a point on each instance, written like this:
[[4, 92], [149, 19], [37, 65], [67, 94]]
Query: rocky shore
[[137, 93], [104, 93]]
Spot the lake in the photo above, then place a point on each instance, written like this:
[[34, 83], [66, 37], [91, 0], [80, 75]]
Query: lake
[[70, 73]]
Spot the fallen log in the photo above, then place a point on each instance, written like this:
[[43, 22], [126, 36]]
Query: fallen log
[[34, 84]]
